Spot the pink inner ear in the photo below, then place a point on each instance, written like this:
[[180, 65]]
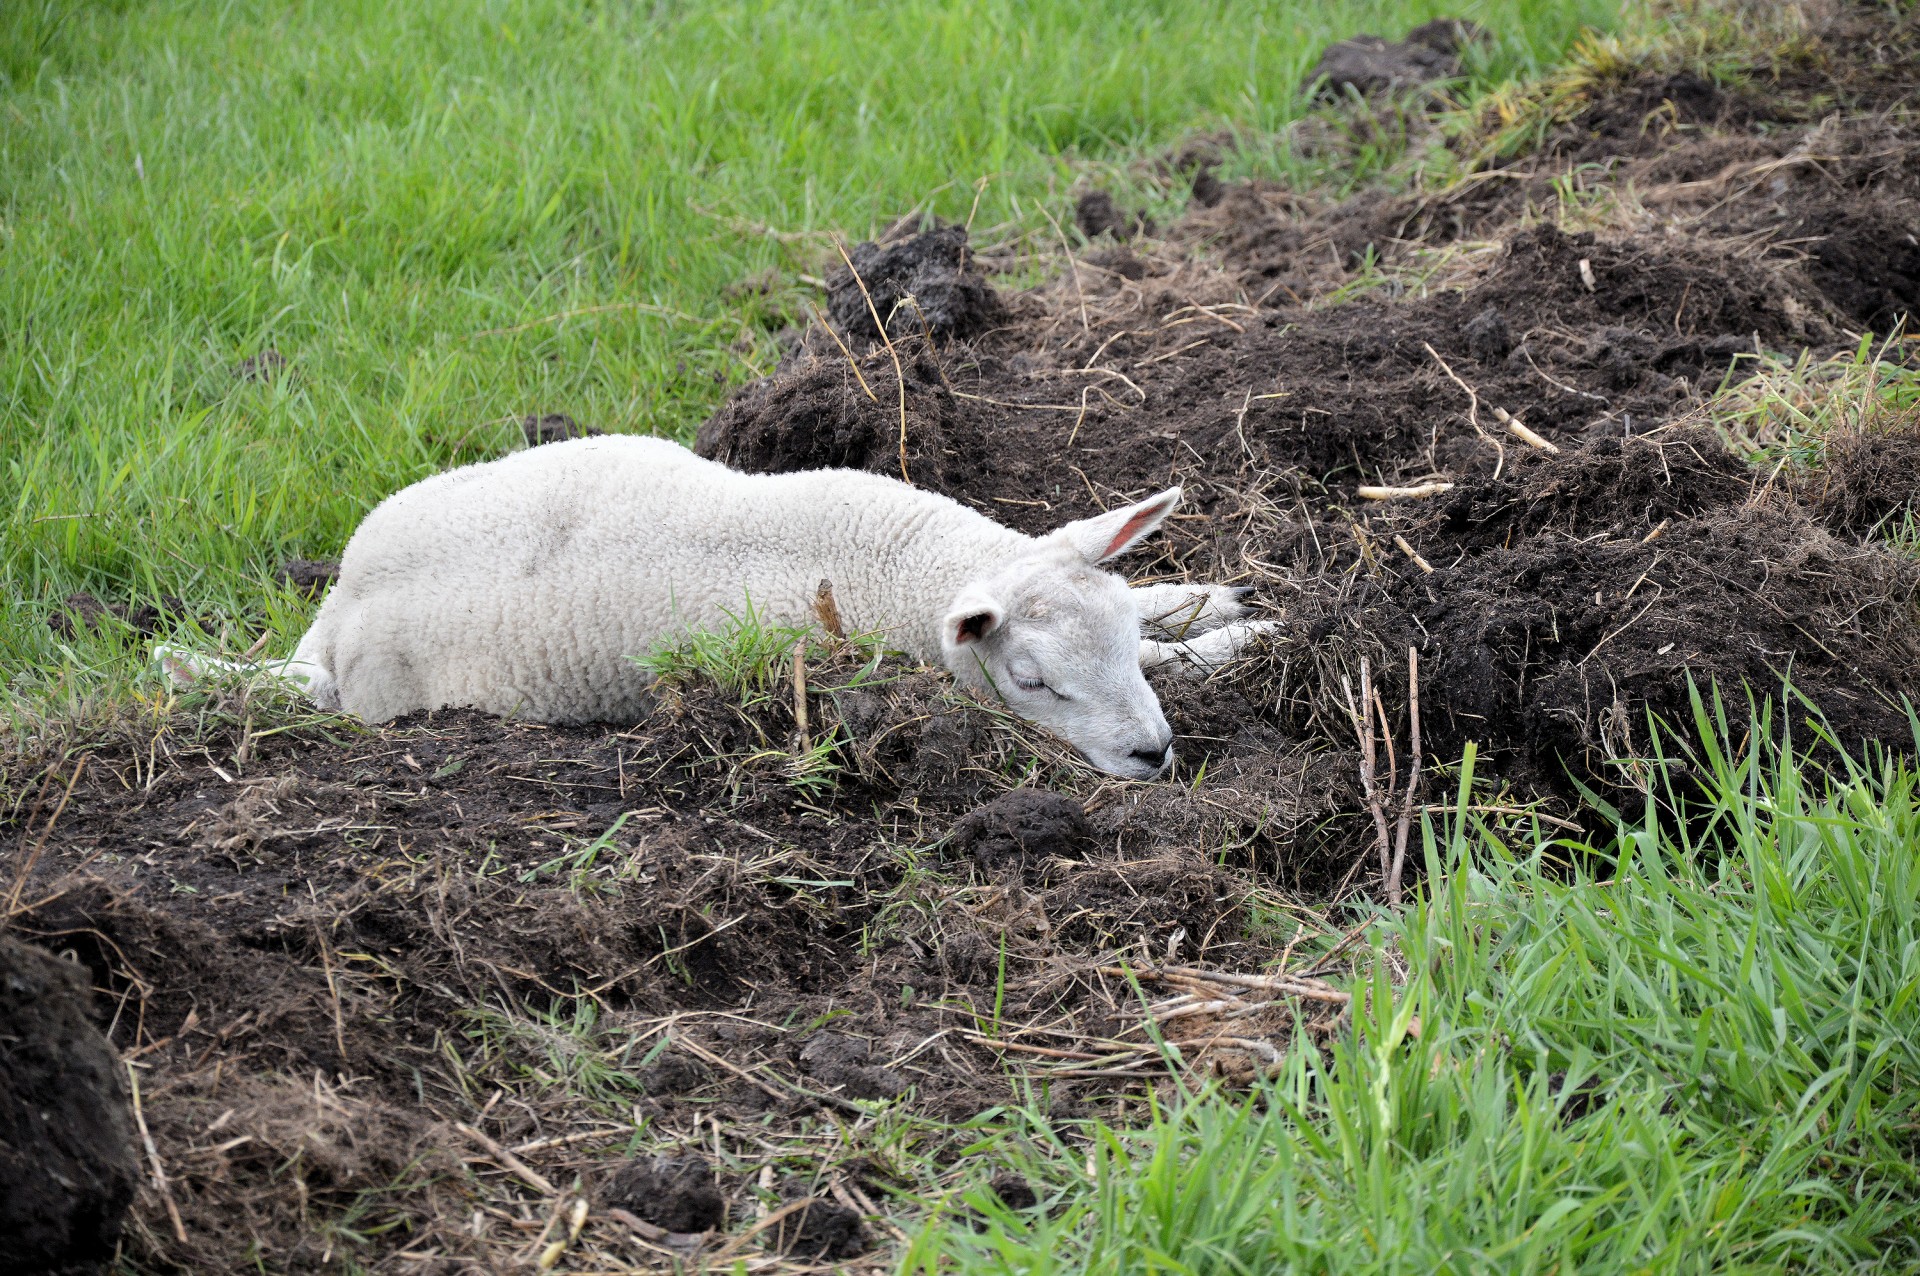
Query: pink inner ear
[[1129, 530], [973, 628]]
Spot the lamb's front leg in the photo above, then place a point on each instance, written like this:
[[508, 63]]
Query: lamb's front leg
[[1208, 651], [1181, 612]]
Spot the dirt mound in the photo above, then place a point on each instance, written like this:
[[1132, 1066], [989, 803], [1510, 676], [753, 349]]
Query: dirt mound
[[918, 284], [554, 427], [821, 413], [67, 1160], [309, 576], [1368, 64], [1869, 478], [677, 1193], [84, 611], [1023, 825]]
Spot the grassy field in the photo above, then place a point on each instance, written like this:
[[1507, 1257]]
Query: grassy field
[[445, 217]]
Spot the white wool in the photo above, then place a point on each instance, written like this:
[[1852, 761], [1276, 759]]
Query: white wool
[[525, 586]]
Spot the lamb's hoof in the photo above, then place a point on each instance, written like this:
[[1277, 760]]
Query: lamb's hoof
[[1204, 609], [175, 665], [1212, 650]]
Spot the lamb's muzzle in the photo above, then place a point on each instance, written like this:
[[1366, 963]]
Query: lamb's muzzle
[[526, 585]]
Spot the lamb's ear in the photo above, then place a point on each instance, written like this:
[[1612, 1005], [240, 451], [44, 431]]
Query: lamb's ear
[[973, 617], [1115, 532]]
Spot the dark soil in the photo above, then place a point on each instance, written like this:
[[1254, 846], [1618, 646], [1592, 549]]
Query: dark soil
[[917, 284], [823, 1231], [554, 427], [1367, 64], [677, 1193], [265, 366], [1096, 214], [674, 968], [84, 611], [312, 577], [67, 1159]]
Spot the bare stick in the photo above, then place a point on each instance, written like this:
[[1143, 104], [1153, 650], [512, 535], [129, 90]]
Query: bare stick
[[1413, 780], [1473, 409], [153, 1157], [1400, 542], [507, 1160], [899, 375], [1362, 714], [1370, 493], [33, 856], [1519, 430], [800, 695], [827, 611], [851, 361]]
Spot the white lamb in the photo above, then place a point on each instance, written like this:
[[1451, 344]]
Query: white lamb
[[525, 585]]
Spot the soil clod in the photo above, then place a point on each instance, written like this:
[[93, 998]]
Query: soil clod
[[554, 427], [68, 1164], [677, 1193], [821, 1230], [922, 283], [309, 576], [1368, 64], [1023, 825]]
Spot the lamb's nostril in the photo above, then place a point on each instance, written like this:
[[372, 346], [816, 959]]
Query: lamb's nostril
[[1155, 758]]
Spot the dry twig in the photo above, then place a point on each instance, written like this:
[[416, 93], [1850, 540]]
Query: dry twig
[[899, 373]]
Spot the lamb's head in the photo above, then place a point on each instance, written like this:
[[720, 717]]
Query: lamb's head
[[1058, 640]]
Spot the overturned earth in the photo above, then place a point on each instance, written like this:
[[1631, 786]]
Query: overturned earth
[[434, 981]]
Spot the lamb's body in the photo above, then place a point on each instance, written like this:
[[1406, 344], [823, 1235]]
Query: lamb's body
[[525, 585]]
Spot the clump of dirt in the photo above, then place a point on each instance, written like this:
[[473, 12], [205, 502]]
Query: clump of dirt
[[821, 1230], [554, 427], [265, 366], [918, 284], [1014, 1192], [1367, 64], [1869, 478], [677, 1193], [309, 576], [1021, 826], [67, 1160], [846, 1065], [1096, 214], [84, 611], [821, 415]]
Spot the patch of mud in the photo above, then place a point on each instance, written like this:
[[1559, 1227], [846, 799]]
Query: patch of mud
[[68, 1167], [821, 1230], [265, 366], [1096, 214], [1023, 826]]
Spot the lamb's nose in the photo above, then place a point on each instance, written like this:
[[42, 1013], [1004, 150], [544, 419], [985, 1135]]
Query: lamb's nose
[[1155, 758]]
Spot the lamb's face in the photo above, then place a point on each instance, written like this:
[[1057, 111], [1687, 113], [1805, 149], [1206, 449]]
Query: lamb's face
[[1059, 641]]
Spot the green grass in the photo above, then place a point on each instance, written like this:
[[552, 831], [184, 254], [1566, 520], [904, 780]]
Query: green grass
[[1696, 1048], [377, 190]]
